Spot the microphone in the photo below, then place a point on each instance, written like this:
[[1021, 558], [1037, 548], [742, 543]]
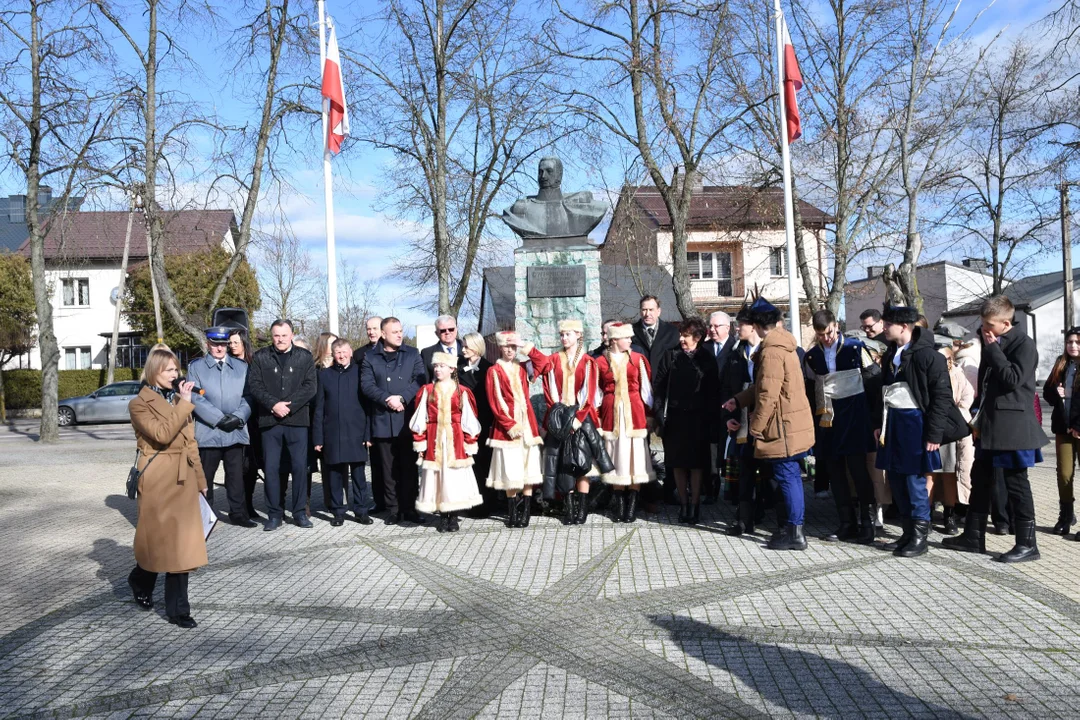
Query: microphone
[[196, 390]]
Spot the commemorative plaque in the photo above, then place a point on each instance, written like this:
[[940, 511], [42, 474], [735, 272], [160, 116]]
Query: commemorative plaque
[[555, 281]]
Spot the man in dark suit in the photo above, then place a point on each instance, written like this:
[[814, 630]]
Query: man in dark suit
[[720, 344], [446, 329], [373, 329], [650, 334], [390, 377]]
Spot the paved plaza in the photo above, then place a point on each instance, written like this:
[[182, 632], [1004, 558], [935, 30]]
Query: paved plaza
[[652, 619]]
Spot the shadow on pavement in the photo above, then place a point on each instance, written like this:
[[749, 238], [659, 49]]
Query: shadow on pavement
[[126, 507]]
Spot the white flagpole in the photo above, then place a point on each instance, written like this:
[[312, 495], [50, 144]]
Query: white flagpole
[[785, 154], [328, 189]]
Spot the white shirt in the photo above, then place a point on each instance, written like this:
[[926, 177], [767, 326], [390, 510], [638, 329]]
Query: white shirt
[[750, 361], [896, 357]]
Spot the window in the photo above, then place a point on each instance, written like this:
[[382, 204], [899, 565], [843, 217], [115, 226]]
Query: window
[[117, 390], [77, 358], [776, 261], [76, 292], [712, 266]]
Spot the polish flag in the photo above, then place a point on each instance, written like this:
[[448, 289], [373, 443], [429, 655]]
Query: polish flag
[[333, 89], [792, 82]]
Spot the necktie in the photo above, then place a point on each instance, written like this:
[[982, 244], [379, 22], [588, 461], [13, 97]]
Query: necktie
[[651, 333], [716, 349]]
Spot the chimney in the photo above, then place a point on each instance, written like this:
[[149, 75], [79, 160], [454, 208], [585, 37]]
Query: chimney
[[874, 271], [44, 196], [977, 264]]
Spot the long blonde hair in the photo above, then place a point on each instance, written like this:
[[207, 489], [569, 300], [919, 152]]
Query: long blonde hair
[[322, 349]]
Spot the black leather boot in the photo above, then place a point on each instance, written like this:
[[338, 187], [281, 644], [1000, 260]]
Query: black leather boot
[[618, 500], [744, 520], [684, 512], [512, 502], [525, 512], [452, 523], [847, 529], [630, 507], [1025, 548], [695, 516], [1066, 519], [790, 537], [901, 542], [570, 516], [444, 523], [973, 539], [582, 508], [920, 530], [866, 533], [949, 526]]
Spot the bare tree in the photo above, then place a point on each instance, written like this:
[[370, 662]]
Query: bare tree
[[289, 282], [360, 300], [273, 30], [456, 89], [53, 128], [651, 77], [1004, 199]]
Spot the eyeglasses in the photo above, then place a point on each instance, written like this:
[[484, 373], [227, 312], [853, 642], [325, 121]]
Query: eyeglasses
[[868, 328], [446, 330]]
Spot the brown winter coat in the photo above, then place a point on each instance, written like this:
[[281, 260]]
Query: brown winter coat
[[169, 534], [781, 419]]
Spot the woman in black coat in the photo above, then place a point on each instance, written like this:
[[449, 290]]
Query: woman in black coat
[[340, 431], [472, 373], [687, 390], [1058, 391]]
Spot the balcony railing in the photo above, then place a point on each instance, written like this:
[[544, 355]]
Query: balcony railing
[[712, 290]]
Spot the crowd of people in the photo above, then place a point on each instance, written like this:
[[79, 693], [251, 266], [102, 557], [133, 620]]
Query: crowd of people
[[887, 418]]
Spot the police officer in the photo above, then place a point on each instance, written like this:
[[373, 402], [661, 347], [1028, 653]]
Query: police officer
[[221, 415]]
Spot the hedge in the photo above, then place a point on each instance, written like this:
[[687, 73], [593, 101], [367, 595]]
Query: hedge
[[22, 388]]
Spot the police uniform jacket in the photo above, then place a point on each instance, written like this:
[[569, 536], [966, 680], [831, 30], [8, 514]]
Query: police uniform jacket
[[224, 386]]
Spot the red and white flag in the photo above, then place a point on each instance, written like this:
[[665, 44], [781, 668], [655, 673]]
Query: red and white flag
[[792, 82], [333, 89]]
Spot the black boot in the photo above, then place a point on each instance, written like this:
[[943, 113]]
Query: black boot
[[950, 525], [973, 539], [684, 512], [1025, 548], [618, 500], [582, 508], [920, 530], [525, 512], [695, 516], [865, 535], [452, 524], [444, 523], [512, 502], [1066, 519], [630, 508], [744, 520], [790, 537], [901, 542], [847, 530], [570, 508]]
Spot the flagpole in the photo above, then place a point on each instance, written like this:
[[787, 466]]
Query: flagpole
[[785, 155], [328, 189]]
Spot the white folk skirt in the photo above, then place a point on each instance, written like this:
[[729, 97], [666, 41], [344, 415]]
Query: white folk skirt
[[514, 467], [630, 455], [447, 490]]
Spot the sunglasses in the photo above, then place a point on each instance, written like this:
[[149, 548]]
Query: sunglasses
[[446, 330]]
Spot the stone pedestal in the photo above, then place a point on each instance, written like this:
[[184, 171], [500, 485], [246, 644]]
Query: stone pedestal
[[564, 284]]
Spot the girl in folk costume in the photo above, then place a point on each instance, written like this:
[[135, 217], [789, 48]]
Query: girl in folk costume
[[570, 378], [624, 409], [445, 428], [515, 438]]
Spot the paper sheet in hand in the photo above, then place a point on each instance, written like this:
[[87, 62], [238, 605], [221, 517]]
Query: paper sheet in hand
[[209, 518]]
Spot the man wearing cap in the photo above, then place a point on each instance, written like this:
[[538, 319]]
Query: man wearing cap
[[911, 425], [836, 368], [781, 422], [221, 415]]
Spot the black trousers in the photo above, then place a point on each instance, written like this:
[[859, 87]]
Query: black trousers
[[397, 463], [378, 483], [274, 440], [335, 478], [822, 477], [176, 589], [233, 458], [984, 478], [838, 468], [754, 475]]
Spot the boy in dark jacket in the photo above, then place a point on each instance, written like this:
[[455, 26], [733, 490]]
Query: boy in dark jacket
[[1008, 438], [911, 424]]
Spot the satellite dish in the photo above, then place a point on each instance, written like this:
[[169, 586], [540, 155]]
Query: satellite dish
[[114, 295]]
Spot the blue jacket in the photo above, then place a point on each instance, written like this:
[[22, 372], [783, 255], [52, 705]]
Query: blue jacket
[[341, 422], [386, 374], [852, 429], [224, 396]]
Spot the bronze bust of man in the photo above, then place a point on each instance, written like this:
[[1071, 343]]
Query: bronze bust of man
[[549, 213]]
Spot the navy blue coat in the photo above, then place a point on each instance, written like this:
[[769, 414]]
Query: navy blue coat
[[341, 422], [852, 432], [386, 374]]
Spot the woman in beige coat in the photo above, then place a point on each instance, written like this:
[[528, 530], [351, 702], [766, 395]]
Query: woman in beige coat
[[169, 534]]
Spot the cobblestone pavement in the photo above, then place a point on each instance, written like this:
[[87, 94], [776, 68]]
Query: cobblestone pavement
[[648, 620]]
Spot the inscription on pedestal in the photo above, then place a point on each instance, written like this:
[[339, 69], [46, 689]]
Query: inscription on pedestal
[[548, 281]]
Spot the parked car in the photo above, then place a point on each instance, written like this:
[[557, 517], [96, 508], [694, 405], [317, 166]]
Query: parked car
[[106, 404]]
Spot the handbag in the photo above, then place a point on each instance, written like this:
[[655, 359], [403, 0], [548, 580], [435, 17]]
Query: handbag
[[134, 474]]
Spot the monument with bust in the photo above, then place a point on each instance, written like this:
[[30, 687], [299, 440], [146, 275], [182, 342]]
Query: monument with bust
[[556, 269]]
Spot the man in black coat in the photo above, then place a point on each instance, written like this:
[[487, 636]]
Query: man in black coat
[[342, 435], [1008, 436], [373, 329], [654, 337], [390, 377], [282, 381], [719, 345], [446, 329]]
